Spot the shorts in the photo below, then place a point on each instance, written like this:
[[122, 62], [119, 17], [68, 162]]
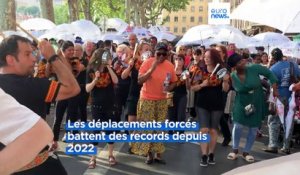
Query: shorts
[[208, 119]]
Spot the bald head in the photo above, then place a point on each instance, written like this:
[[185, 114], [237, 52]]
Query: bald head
[[132, 40]]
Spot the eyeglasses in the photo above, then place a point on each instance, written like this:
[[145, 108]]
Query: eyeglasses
[[161, 54]]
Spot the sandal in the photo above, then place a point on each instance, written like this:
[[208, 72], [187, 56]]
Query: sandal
[[92, 164], [248, 157], [232, 156], [111, 160], [149, 159]]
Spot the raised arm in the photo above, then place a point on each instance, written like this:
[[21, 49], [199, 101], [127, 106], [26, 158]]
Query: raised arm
[[69, 86]]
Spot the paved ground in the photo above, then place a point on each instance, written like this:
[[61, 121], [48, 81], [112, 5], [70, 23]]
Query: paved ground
[[182, 159]]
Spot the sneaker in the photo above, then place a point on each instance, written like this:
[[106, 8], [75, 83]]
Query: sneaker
[[211, 159], [285, 150], [204, 161]]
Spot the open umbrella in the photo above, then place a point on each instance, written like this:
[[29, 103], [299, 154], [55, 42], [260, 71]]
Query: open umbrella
[[117, 24], [37, 24], [268, 40], [164, 35], [86, 29], [281, 14]]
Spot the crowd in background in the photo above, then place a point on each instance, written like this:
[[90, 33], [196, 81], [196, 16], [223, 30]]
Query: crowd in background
[[146, 80]]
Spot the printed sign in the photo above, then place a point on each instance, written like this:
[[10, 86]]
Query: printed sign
[[218, 13]]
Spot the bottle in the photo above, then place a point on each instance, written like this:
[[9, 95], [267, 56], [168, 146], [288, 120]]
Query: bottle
[[166, 82]]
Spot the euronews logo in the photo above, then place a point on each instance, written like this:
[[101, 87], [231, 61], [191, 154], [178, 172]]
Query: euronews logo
[[219, 13]]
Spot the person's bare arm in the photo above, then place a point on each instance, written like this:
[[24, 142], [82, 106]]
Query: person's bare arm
[[13, 157], [69, 86], [144, 77], [90, 86]]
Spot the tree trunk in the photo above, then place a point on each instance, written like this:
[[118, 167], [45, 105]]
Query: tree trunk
[[73, 10], [86, 6], [8, 15], [47, 9], [128, 11]]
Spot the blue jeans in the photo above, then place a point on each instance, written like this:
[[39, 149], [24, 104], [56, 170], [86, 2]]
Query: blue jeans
[[237, 133]]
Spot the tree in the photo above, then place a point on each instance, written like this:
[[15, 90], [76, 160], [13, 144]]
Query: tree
[[47, 9], [147, 12], [86, 8], [73, 10], [32, 10], [7, 15], [61, 14]]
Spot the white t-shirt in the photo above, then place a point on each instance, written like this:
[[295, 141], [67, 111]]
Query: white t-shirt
[[15, 119]]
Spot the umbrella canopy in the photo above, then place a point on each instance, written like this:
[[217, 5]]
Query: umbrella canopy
[[268, 39], [291, 49], [117, 24], [37, 24], [207, 33], [86, 29], [282, 14], [59, 31], [157, 29], [113, 37], [8, 33], [164, 35]]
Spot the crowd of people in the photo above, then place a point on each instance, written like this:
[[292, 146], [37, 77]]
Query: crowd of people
[[145, 80]]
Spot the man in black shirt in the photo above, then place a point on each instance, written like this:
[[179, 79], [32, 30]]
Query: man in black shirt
[[16, 68]]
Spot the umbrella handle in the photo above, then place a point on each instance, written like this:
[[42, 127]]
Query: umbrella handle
[[28, 33]]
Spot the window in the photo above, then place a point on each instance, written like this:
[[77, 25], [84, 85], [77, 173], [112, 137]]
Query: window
[[168, 19], [175, 19], [192, 19], [192, 8], [175, 29], [200, 8], [184, 19], [183, 29], [200, 19]]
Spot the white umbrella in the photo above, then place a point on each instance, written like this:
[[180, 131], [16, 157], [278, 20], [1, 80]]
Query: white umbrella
[[11, 32], [231, 34], [86, 29], [281, 14], [141, 32], [219, 33], [157, 29], [37, 24], [117, 24], [113, 37], [164, 35], [291, 49], [58, 31], [268, 39]]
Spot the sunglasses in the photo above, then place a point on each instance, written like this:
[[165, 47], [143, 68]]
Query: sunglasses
[[161, 54]]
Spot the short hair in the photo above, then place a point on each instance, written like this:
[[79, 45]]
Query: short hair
[[107, 43], [277, 54], [9, 46], [66, 44]]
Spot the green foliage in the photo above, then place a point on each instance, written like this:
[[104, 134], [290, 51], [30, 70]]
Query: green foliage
[[31, 10], [61, 13], [108, 9]]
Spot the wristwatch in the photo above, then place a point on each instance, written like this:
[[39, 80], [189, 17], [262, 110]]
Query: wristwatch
[[53, 58]]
